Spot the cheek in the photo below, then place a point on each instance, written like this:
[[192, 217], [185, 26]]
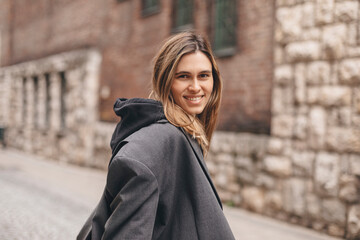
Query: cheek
[[175, 91], [210, 86]]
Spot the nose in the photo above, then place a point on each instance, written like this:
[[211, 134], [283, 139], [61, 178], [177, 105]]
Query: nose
[[194, 85]]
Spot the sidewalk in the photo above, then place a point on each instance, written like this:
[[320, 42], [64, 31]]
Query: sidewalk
[[79, 189]]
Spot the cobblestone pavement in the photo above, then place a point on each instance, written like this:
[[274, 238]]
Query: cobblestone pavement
[[42, 199]]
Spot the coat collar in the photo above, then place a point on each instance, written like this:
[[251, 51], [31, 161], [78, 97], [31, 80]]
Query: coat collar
[[199, 155]]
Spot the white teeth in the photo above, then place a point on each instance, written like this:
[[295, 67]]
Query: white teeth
[[193, 98]]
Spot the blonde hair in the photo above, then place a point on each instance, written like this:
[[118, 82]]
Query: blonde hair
[[202, 126]]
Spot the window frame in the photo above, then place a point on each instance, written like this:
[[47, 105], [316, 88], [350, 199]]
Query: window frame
[[187, 26], [221, 49], [149, 11]]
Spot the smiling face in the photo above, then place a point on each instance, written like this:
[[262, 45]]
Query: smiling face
[[193, 82]]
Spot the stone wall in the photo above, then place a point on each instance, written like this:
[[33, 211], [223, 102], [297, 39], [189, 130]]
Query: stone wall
[[308, 171], [49, 106]]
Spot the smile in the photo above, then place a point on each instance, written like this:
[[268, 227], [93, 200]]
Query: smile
[[193, 98]]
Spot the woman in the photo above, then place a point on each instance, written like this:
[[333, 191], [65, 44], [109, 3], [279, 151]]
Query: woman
[[158, 186]]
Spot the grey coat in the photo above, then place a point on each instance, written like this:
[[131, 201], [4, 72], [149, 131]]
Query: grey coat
[[158, 187]]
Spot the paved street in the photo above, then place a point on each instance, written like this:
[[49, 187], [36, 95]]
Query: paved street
[[43, 199]]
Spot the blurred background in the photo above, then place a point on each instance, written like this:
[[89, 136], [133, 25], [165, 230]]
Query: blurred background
[[288, 139]]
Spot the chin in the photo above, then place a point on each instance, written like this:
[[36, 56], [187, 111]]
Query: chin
[[195, 112]]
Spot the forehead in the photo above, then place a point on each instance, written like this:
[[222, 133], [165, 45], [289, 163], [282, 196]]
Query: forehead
[[194, 61]]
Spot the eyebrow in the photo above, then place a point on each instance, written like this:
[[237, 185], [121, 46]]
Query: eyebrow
[[184, 72]]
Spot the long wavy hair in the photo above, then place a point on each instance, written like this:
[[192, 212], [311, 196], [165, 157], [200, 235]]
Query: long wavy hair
[[201, 126]]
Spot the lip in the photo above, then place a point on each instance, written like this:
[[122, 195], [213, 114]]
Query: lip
[[194, 99]]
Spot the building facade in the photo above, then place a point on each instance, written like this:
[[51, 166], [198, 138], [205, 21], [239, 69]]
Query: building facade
[[288, 144]]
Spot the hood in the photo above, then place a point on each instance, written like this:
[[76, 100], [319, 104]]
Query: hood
[[135, 113]]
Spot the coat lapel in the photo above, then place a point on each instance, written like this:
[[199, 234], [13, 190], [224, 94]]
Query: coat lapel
[[199, 155]]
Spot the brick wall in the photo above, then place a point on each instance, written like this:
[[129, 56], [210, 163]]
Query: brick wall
[[128, 41]]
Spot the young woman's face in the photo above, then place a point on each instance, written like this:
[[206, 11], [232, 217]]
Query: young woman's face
[[193, 82]]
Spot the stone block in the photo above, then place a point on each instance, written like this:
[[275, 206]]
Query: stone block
[[332, 117], [298, 145], [265, 181], [303, 51], [278, 166], [253, 199], [273, 201], [244, 163], [346, 11], [301, 127], [275, 146], [349, 189], [318, 226], [317, 127], [224, 176], [282, 125], [313, 207], [327, 170], [225, 159], [343, 139], [294, 196], [233, 187], [355, 121], [282, 100], [277, 100], [300, 83], [345, 164], [349, 71], [303, 163], [324, 11], [334, 211], [335, 96], [278, 55], [345, 116], [312, 95], [334, 76], [356, 104], [317, 72], [352, 34], [302, 110], [308, 15], [353, 222], [336, 230], [283, 75], [311, 34], [223, 142], [245, 176], [289, 24], [251, 145], [354, 160], [353, 51], [333, 40]]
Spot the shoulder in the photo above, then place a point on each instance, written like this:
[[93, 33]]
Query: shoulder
[[161, 132], [155, 145]]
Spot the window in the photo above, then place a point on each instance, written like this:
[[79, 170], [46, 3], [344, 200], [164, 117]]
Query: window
[[150, 7], [182, 15], [225, 27]]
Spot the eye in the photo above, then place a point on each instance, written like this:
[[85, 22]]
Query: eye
[[204, 75], [184, 76]]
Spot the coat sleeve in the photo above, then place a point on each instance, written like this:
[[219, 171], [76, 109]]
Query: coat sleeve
[[135, 193]]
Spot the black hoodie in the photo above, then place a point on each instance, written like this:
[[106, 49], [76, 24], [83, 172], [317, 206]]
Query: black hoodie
[[135, 114]]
